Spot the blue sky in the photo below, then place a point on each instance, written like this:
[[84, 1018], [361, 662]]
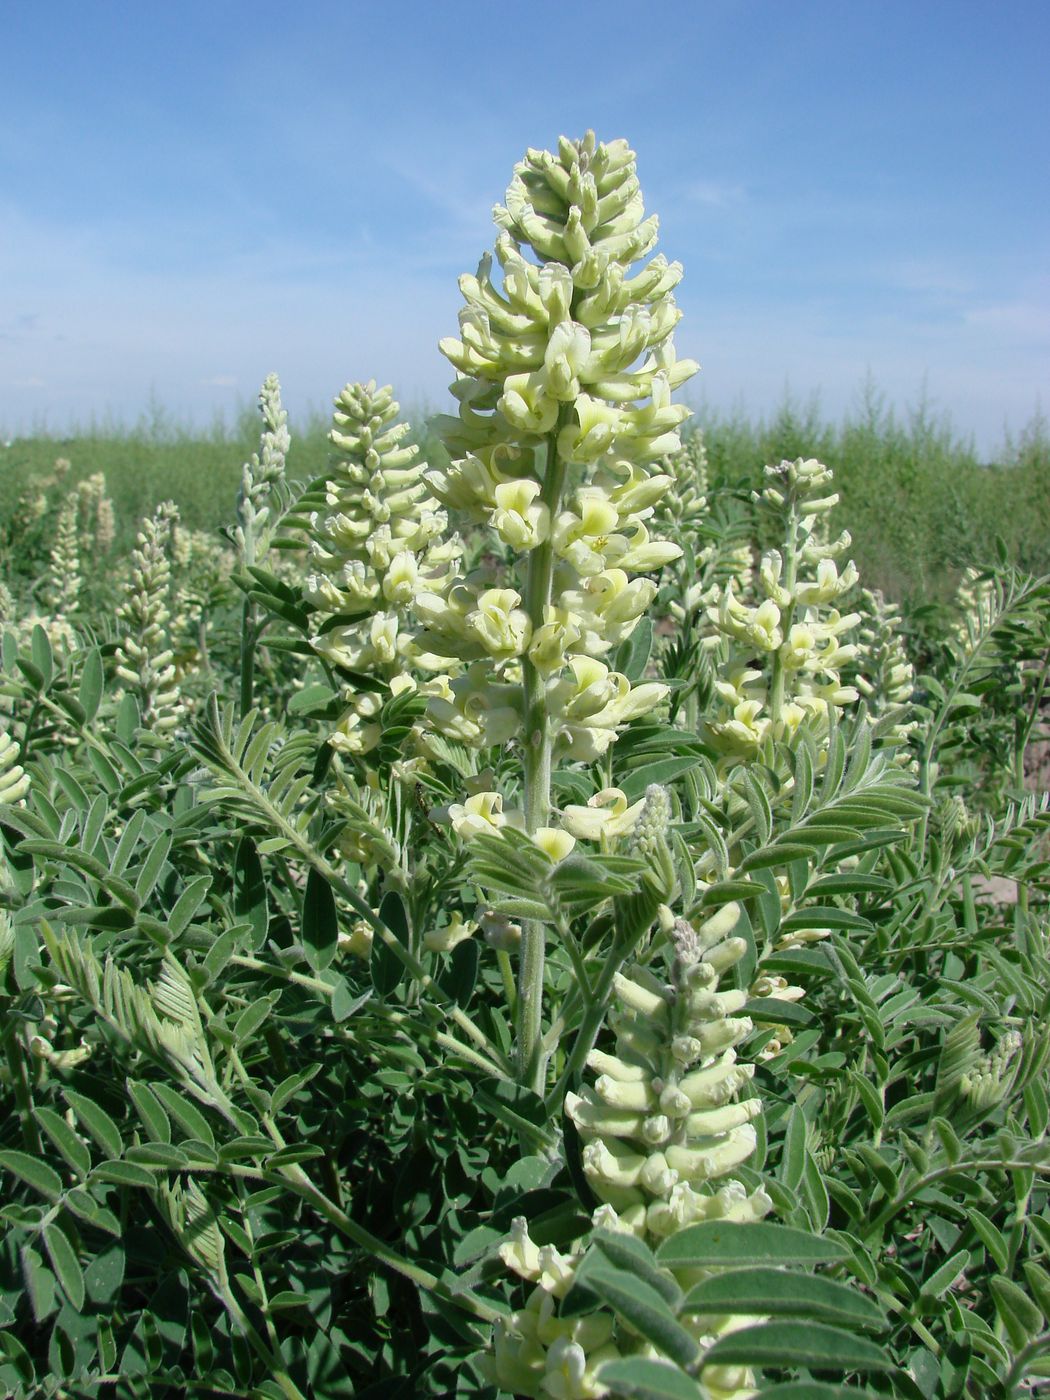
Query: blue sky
[[193, 195]]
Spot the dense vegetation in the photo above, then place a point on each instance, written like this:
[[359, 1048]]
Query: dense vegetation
[[921, 504], [526, 917]]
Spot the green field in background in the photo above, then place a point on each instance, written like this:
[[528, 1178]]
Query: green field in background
[[918, 502]]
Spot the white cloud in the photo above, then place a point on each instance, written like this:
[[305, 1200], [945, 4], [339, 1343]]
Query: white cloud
[[714, 194], [1026, 320]]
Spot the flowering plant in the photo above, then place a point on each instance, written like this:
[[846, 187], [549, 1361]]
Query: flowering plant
[[525, 954]]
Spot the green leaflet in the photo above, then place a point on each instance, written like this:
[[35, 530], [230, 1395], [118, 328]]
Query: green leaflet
[[721, 1243]]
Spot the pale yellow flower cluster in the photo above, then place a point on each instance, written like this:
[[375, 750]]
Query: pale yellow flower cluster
[[785, 649], [144, 658], [685, 504], [14, 780], [262, 474], [376, 545], [975, 601], [482, 814], [370, 552], [889, 683], [663, 1133], [64, 577], [566, 370]]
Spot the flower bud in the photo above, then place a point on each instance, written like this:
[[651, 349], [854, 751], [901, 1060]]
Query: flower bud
[[499, 932]]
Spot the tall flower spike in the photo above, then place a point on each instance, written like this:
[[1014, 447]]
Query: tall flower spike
[[376, 544], [685, 504], [64, 573], [566, 370], [664, 1131], [566, 365], [106, 525], [263, 476], [91, 493], [889, 682], [144, 657]]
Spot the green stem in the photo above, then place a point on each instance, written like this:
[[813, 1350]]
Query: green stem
[[579, 965], [779, 679], [692, 710], [905, 1198], [394, 1017], [592, 1020], [537, 776], [1016, 1373], [23, 1093], [510, 991], [23, 748], [249, 640], [447, 1042], [257, 1273], [295, 1179], [969, 905], [202, 640], [270, 1355], [293, 1176]]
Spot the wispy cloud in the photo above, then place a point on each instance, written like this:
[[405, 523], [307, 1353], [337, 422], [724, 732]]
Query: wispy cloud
[[1024, 321], [714, 194]]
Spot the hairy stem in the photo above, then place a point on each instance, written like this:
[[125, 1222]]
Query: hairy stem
[[537, 776], [779, 678]]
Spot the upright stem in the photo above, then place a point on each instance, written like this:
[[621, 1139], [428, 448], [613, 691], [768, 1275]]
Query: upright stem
[[249, 637], [537, 795], [592, 1019], [778, 686], [249, 632], [23, 1093]]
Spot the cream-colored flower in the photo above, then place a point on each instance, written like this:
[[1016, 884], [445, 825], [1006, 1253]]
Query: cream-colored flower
[[606, 814], [518, 520], [455, 932], [480, 815], [358, 942], [499, 624], [554, 843]]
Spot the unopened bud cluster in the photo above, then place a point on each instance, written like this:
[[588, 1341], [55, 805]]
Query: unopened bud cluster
[[888, 680], [144, 658], [975, 601], [684, 506], [990, 1079], [782, 653], [664, 1131], [263, 475]]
